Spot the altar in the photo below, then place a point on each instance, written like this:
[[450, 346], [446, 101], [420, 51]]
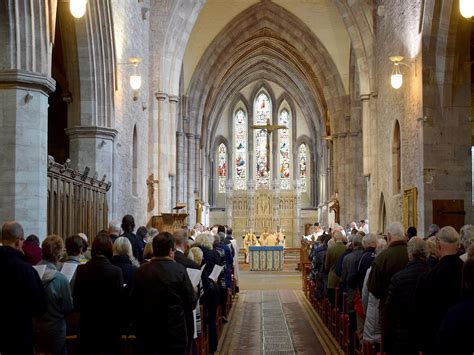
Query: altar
[[266, 258]]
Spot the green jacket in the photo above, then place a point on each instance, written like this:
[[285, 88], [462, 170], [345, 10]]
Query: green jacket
[[386, 264], [332, 256]]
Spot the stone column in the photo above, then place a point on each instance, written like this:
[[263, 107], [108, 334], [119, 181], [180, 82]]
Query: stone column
[[24, 148], [365, 99], [197, 165], [190, 178], [180, 167], [93, 147], [173, 106], [164, 202]]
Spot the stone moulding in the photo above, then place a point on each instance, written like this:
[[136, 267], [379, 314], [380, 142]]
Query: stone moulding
[[64, 171], [27, 79]]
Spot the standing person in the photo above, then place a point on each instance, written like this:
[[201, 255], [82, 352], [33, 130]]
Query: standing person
[[161, 296], [229, 238], [332, 256], [128, 226], [51, 326], [143, 238], [386, 264], [22, 298], [399, 312], [439, 289], [97, 297], [180, 239], [32, 250], [123, 258], [114, 230]]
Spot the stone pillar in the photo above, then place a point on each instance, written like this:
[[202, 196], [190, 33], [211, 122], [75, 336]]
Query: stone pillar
[[164, 203], [24, 149], [180, 167], [93, 147], [365, 133], [197, 165], [154, 151], [173, 106], [190, 178]]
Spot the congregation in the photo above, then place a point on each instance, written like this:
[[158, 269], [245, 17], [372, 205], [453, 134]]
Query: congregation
[[126, 284], [400, 293]]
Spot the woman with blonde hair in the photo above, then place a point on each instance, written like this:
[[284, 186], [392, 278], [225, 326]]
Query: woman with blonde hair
[[123, 258], [148, 251]]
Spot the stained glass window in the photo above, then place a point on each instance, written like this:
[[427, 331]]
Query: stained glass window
[[284, 147], [222, 166], [263, 111], [302, 157], [240, 139]]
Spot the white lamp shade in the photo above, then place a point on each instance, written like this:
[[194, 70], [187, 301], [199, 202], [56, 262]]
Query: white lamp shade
[[77, 7], [396, 80], [135, 81], [466, 7]]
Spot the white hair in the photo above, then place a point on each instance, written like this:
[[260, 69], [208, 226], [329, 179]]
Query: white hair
[[417, 248], [204, 239], [448, 235], [396, 230], [115, 227], [381, 245], [369, 240], [467, 235], [122, 246]]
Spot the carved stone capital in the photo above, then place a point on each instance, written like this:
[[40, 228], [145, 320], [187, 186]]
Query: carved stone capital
[[173, 98], [91, 132], [27, 80], [161, 96]]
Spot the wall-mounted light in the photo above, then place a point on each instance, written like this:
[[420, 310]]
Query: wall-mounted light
[[135, 78], [396, 79], [77, 8], [466, 8]]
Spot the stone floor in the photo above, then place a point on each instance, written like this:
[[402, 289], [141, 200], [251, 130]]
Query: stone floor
[[272, 316]]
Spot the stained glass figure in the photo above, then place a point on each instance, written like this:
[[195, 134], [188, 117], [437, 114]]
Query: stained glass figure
[[240, 139], [262, 116], [302, 166], [222, 166], [284, 147]]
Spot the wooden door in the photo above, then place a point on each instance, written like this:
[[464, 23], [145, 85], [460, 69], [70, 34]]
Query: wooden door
[[449, 213]]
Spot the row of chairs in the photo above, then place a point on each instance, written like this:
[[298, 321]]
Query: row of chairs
[[336, 319]]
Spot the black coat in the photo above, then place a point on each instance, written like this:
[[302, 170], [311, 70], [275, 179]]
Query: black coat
[[364, 263], [457, 328], [98, 297], [128, 271], [400, 333], [436, 292], [132, 237], [182, 259], [161, 296], [21, 297]]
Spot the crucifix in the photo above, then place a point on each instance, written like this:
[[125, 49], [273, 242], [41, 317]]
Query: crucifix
[[268, 128]]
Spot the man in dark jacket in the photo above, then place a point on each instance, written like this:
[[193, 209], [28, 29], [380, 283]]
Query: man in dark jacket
[[162, 295], [180, 238], [22, 295], [128, 226], [399, 312], [98, 297], [438, 289], [369, 242], [388, 263]]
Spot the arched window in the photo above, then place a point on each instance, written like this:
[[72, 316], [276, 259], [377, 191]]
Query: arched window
[[262, 109], [284, 145], [396, 160], [240, 144], [222, 166], [135, 163], [302, 164]]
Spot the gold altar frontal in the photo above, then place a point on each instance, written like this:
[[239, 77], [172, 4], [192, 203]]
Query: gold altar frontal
[[266, 258]]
